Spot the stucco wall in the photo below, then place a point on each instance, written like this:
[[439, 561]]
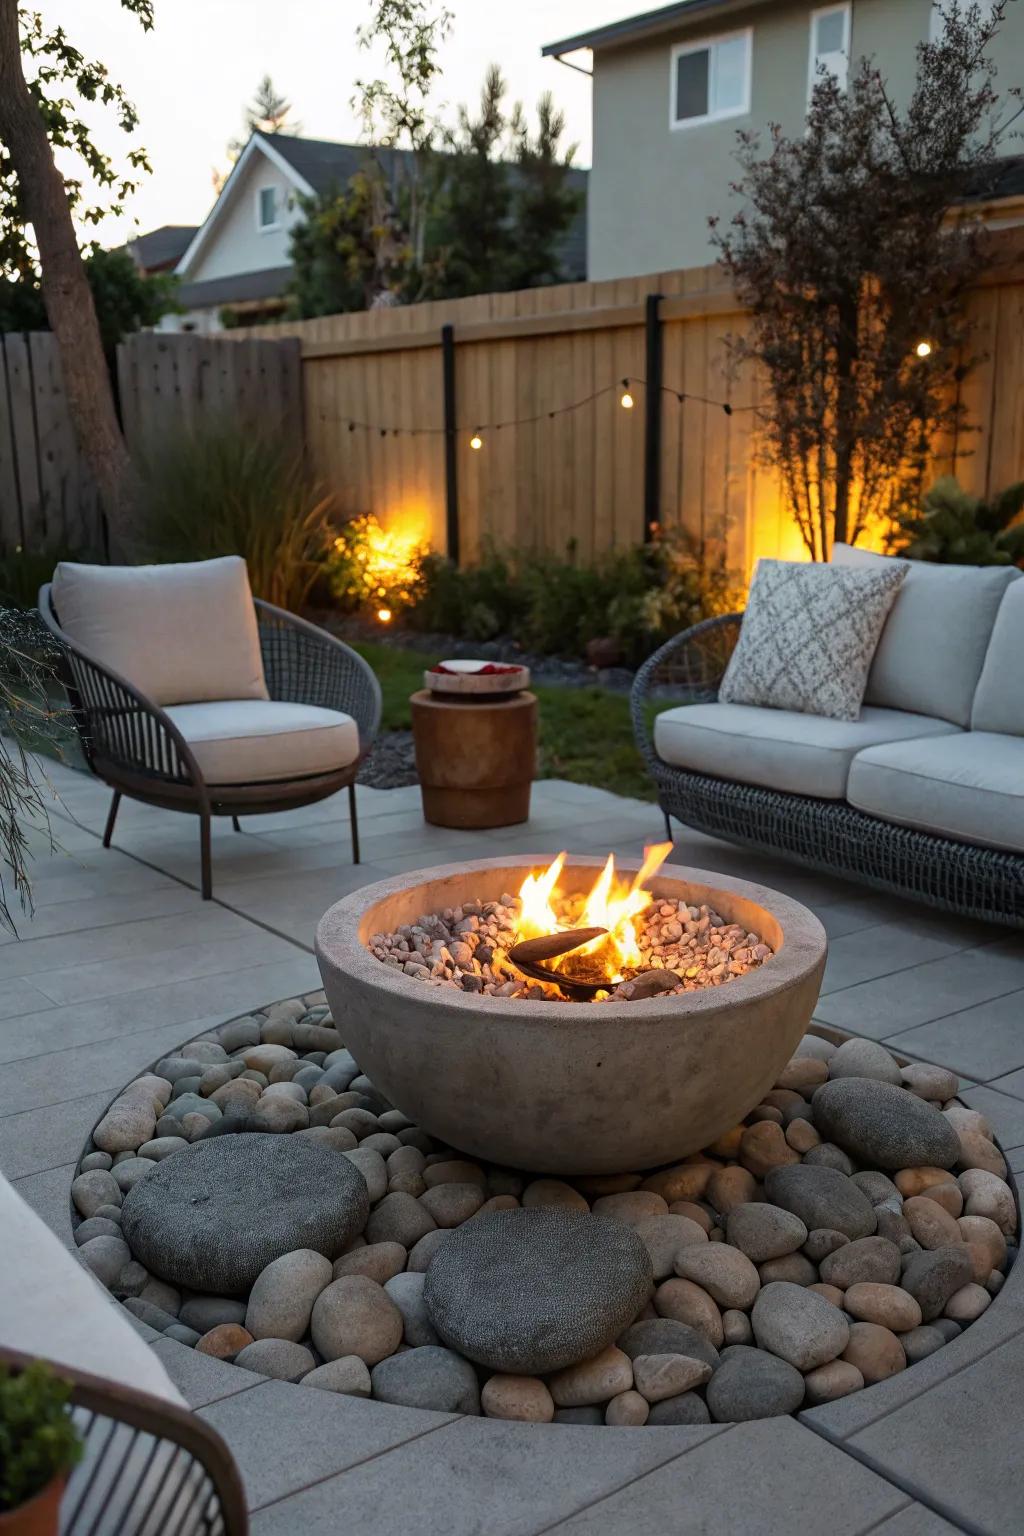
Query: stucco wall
[[653, 188], [236, 243]]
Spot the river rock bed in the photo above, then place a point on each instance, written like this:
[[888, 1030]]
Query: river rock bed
[[857, 1220], [467, 947]]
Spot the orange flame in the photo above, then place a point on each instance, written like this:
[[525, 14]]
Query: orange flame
[[611, 903]]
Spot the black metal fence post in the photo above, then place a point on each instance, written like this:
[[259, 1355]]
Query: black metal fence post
[[451, 462], [652, 422]]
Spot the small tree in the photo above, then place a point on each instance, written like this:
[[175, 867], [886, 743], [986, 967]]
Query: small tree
[[544, 204], [474, 239], [349, 249], [268, 112], [847, 254]]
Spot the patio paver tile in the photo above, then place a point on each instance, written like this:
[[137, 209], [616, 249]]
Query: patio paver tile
[[49, 1195], [983, 1042], [185, 962], [916, 1520], [927, 991], [93, 946], [886, 950], [201, 1379], [40, 1138], [18, 997], [100, 912]]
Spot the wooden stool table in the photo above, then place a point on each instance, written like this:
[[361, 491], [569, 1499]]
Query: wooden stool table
[[475, 760]]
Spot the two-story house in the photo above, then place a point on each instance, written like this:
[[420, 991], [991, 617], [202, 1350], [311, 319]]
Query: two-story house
[[672, 86]]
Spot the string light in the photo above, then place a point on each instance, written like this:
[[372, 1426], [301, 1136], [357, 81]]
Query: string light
[[476, 442], [923, 349], [627, 399], [384, 615]]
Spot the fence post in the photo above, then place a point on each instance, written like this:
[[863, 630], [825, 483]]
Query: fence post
[[451, 462], [652, 423]]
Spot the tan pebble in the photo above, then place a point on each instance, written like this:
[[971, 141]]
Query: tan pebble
[[933, 1083], [694, 1211], [631, 1208], [980, 1261], [784, 1098], [764, 1112], [628, 1410], [764, 1147], [831, 1293], [888, 1305], [965, 1305], [828, 1383], [914, 1181], [875, 1351], [963, 1119], [377, 1261], [794, 1267], [728, 1146], [554, 1192], [659, 1376], [728, 1187], [801, 1135], [407, 1184], [801, 1073], [931, 1225], [595, 1381], [686, 1302], [737, 1327], [726, 1274], [986, 1195], [976, 1151], [523, 1398], [982, 1230], [948, 1195], [686, 1181], [225, 1341], [716, 1235], [663, 1236]]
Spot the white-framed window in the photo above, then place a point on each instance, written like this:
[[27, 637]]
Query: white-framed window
[[711, 79], [268, 214], [829, 45]]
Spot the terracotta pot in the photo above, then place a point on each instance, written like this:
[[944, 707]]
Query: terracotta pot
[[39, 1516]]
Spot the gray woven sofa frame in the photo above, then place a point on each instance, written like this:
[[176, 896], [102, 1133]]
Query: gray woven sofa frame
[[133, 746], [827, 835]]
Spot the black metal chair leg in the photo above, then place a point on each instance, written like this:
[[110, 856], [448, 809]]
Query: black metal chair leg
[[354, 821], [204, 855], [236, 824], [108, 830], [668, 825]]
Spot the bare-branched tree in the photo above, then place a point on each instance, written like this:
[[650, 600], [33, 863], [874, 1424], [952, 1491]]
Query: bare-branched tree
[[853, 249]]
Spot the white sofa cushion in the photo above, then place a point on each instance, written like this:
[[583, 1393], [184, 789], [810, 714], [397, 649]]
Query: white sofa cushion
[[778, 748], [179, 633], [932, 648], [254, 741], [999, 700], [969, 787], [808, 636]]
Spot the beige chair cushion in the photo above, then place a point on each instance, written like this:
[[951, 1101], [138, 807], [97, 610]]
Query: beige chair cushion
[[999, 700], [933, 646], [179, 633], [779, 748], [250, 741], [969, 787]]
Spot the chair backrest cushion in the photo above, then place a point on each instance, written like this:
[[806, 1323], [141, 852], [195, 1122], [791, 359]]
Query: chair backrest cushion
[[932, 649], [182, 634], [999, 701]]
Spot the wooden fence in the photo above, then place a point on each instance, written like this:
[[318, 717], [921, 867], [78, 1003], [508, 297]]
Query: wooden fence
[[572, 468], [47, 497]]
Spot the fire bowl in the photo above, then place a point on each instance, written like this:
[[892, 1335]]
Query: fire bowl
[[579, 1088]]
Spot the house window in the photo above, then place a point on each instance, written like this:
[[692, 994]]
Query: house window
[[711, 79], [830, 45], [266, 208]]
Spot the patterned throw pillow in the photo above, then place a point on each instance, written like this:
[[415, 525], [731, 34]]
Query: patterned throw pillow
[[808, 636]]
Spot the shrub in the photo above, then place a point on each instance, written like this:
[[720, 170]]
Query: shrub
[[24, 571], [951, 527], [369, 566], [38, 1441], [228, 490]]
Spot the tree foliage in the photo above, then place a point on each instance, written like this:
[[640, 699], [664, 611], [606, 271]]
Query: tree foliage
[[952, 527], [126, 299], [60, 78], [847, 255]]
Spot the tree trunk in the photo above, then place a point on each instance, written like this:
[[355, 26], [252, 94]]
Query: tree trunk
[[66, 292], [847, 349]]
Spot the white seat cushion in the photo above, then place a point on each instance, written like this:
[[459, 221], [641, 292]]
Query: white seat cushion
[[778, 748], [932, 649], [999, 700], [969, 787], [177, 632], [253, 741]]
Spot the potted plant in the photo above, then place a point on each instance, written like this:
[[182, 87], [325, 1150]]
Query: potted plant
[[38, 1447]]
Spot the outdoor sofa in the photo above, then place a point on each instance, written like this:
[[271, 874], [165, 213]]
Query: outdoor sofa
[[922, 795]]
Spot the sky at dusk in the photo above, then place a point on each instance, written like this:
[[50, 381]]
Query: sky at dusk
[[190, 76]]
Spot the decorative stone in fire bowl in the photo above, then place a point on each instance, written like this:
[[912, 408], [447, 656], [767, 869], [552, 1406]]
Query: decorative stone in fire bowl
[[570, 1087]]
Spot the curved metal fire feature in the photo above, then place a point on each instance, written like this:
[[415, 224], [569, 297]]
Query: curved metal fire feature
[[570, 1087]]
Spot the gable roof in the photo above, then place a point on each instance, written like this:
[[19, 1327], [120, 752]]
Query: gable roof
[[648, 24], [162, 247]]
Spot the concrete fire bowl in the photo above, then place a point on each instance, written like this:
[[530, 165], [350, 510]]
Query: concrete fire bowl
[[569, 1087]]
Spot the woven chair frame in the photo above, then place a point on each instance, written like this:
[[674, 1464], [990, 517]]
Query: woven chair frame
[[826, 835]]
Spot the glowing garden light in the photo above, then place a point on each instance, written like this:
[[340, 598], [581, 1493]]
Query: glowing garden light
[[384, 615], [923, 349]]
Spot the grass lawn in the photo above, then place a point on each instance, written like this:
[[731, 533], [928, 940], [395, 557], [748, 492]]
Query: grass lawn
[[585, 733]]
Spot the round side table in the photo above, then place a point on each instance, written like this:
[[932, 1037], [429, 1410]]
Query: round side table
[[476, 761]]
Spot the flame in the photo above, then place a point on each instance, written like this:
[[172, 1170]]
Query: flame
[[611, 903]]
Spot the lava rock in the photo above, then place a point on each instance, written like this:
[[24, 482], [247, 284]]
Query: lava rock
[[531, 1291], [214, 1215], [883, 1125]]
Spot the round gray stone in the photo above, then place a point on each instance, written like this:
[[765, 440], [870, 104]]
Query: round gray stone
[[750, 1384], [864, 1058], [918, 1343], [933, 1275], [764, 1231], [799, 1325], [214, 1215], [430, 1377], [869, 1260], [204, 1313], [687, 1408], [529, 1291], [406, 1291], [884, 1126], [666, 1336], [106, 1257], [281, 1359], [822, 1197]]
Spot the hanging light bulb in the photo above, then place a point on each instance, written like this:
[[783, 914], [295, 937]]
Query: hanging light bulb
[[626, 401], [476, 442], [384, 615], [923, 349]]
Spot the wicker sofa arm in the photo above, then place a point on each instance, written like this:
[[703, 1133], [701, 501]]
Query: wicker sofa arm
[[690, 667], [306, 665]]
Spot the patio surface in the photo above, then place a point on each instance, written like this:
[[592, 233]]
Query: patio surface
[[123, 962]]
